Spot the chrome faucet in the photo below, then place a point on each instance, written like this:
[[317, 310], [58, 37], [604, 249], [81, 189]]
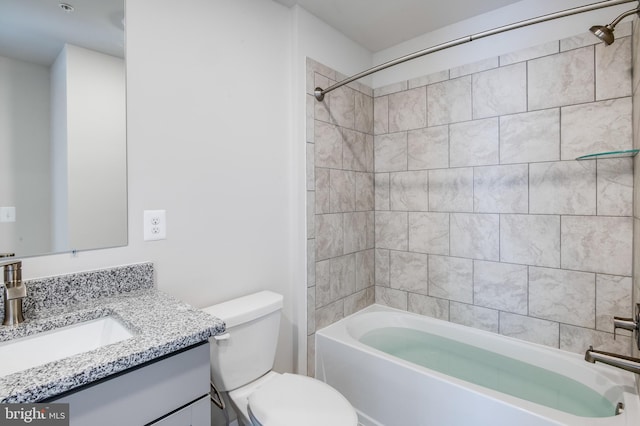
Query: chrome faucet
[[621, 361], [14, 292]]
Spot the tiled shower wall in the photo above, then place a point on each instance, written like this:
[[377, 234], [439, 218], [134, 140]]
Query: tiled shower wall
[[482, 215], [340, 201]]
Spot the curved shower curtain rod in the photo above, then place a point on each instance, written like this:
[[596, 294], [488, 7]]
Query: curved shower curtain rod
[[319, 92]]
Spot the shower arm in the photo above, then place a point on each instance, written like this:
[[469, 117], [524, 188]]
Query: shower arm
[[624, 15], [319, 92]]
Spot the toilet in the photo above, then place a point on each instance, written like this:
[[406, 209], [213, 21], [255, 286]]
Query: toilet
[[241, 363]]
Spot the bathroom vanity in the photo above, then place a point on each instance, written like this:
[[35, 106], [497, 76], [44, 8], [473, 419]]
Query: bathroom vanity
[[159, 375]]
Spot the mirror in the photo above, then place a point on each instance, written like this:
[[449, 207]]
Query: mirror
[[63, 170]]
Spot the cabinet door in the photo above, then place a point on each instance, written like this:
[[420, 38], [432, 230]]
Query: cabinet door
[[143, 394], [196, 414]]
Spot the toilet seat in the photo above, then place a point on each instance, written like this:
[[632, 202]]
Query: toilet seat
[[294, 400]]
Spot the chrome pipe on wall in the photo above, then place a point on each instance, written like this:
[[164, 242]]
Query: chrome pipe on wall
[[319, 92]]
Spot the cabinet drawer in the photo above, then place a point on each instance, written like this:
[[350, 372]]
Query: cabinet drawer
[[144, 394]]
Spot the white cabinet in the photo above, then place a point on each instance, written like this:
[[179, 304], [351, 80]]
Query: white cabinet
[[173, 391], [197, 413]]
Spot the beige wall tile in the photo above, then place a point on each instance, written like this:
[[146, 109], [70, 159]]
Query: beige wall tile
[[342, 107], [390, 152], [530, 53], [311, 214], [409, 191], [429, 306], [578, 340], [364, 191], [381, 190], [564, 296], [534, 330], [615, 187], [329, 314], [408, 110], [323, 191], [613, 294], [500, 91], [597, 243], [474, 67], [365, 269], [475, 236], [563, 79], [501, 189], [342, 192], [408, 271], [358, 231], [357, 153], [328, 145], [390, 88], [311, 310], [311, 263], [563, 187], [382, 267], [329, 236], [530, 136], [451, 278], [428, 148], [391, 230], [429, 79], [502, 286], [429, 232], [359, 301], [449, 101], [474, 143], [595, 127], [451, 190], [381, 115], [613, 69], [474, 316], [530, 239], [364, 112], [391, 297]]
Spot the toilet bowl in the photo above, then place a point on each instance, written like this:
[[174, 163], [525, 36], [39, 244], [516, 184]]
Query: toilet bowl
[[241, 365]]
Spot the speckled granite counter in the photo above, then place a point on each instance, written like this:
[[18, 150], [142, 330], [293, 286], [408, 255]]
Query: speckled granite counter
[[160, 325]]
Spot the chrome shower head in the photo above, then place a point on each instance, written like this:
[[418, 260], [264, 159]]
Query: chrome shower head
[[605, 32]]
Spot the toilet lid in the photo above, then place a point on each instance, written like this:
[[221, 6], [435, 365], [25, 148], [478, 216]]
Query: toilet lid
[[294, 400]]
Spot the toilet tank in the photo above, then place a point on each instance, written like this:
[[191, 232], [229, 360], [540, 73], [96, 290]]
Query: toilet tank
[[253, 324]]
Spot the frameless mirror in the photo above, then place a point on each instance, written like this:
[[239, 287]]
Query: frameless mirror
[[63, 184]]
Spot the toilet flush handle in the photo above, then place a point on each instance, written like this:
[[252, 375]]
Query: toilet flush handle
[[224, 336]]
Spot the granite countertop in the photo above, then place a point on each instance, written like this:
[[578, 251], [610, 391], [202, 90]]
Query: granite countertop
[[160, 325]]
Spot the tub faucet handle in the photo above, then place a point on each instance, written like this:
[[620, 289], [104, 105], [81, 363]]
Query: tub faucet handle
[[631, 324]]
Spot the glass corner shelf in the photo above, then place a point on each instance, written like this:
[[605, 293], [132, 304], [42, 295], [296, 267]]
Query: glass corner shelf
[[610, 154]]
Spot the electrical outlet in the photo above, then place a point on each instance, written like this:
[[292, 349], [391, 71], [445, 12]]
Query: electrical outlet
[[155, 225], [7, 214]]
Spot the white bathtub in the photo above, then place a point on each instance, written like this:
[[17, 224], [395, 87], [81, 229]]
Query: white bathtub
[[389, 391]]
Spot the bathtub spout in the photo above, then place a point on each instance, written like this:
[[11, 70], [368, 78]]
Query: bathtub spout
[[621, 361]]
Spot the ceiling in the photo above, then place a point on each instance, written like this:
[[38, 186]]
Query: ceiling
[[36, 30], [378, 24]]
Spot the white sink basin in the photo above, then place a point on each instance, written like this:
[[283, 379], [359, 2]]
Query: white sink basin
[[26, 352]]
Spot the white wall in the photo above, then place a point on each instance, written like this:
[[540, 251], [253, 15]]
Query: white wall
[[24, 138], [493, 45], [209, 140]]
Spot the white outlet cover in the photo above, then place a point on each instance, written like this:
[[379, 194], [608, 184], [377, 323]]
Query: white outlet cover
[[155, 225], [7, 214]]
